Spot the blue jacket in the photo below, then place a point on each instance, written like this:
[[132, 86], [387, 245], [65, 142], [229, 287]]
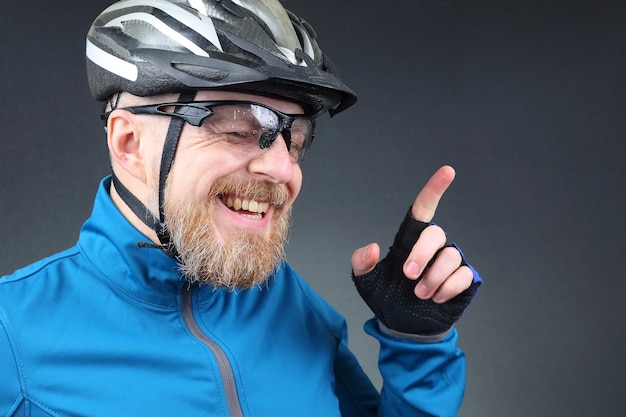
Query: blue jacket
[[109, 328]]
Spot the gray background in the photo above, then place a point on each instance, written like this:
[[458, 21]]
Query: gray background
[[525, 99]]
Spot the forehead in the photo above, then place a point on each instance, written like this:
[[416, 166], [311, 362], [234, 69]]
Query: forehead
[[285, 106]]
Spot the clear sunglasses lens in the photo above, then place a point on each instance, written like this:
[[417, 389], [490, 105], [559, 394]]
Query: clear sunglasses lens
[[301, 136], [252, 127]]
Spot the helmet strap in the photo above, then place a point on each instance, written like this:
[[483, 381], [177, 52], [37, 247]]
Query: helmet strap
[[167, 159], [134, 204]]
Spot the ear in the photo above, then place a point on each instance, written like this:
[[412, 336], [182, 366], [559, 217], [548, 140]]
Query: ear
[[124, 141]]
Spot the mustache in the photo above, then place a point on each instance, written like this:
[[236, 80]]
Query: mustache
[[276, 194]]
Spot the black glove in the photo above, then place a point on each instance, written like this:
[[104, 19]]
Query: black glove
[[390, 294]]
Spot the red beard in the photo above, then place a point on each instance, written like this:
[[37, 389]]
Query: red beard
[[245, 261]]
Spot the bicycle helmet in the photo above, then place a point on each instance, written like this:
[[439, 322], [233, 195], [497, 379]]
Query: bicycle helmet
[[150, 47]]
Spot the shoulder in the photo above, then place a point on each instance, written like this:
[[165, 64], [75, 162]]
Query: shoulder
[[38, 268], [40, 265], [29, 303], [26, 296], [29, 291]]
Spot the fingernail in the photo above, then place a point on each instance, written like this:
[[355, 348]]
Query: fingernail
[[438, 298], [412, 269], [365, 254], [421, 291]]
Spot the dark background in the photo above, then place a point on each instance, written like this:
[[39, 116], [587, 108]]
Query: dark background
[[525, 99]]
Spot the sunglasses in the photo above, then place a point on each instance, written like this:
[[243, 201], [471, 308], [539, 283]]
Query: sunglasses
[[247, 125]]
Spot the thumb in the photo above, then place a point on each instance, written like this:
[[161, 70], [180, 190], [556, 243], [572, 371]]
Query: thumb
[[365, 259]]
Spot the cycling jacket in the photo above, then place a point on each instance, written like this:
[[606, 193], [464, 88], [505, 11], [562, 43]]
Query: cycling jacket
[[109, 328]]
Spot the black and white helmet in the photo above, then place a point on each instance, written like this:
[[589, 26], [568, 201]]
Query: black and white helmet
[[150, 47]]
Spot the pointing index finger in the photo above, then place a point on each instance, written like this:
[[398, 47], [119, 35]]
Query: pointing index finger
[[427, 200]]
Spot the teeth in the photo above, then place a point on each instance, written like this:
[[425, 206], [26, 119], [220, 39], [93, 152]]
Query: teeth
[[253, 206], [238, 203]]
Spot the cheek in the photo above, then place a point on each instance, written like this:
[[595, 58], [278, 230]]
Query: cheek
[[196, 168], [186, 181], [295, 184]]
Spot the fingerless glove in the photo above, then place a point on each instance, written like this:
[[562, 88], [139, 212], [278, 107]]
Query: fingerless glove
[[390, 294]]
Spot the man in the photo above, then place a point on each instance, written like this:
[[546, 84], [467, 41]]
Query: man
[[176, 299]]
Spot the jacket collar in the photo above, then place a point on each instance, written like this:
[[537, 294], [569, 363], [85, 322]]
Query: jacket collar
[[125, 257]]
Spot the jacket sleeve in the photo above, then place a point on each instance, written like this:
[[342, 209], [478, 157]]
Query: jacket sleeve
[[419, 379], [11, 399], [357, 395]]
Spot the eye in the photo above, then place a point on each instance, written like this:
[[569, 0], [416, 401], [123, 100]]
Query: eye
[[231, 129], [298, 139], [294, 150], [242, 135], [301, 134]]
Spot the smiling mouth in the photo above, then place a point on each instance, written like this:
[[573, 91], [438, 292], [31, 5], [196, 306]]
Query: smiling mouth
[[249, 208]]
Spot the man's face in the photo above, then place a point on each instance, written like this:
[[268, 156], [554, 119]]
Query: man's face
[[227, 210]]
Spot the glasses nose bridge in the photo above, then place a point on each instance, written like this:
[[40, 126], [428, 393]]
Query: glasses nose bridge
[[283, 129], [268, 139]]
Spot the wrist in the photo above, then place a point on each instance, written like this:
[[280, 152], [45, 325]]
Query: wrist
[[434, 338]]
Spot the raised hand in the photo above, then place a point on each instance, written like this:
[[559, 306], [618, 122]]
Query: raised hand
[[424, 284]]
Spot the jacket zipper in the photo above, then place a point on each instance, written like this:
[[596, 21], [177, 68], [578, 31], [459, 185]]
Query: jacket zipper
[[226, 370]]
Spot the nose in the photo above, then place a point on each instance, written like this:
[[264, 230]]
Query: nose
[[273, 163]]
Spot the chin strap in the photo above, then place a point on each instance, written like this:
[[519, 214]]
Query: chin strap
[[167, 159], [136, 206]]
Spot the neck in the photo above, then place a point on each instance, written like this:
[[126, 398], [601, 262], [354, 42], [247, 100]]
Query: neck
[[131, 216]]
